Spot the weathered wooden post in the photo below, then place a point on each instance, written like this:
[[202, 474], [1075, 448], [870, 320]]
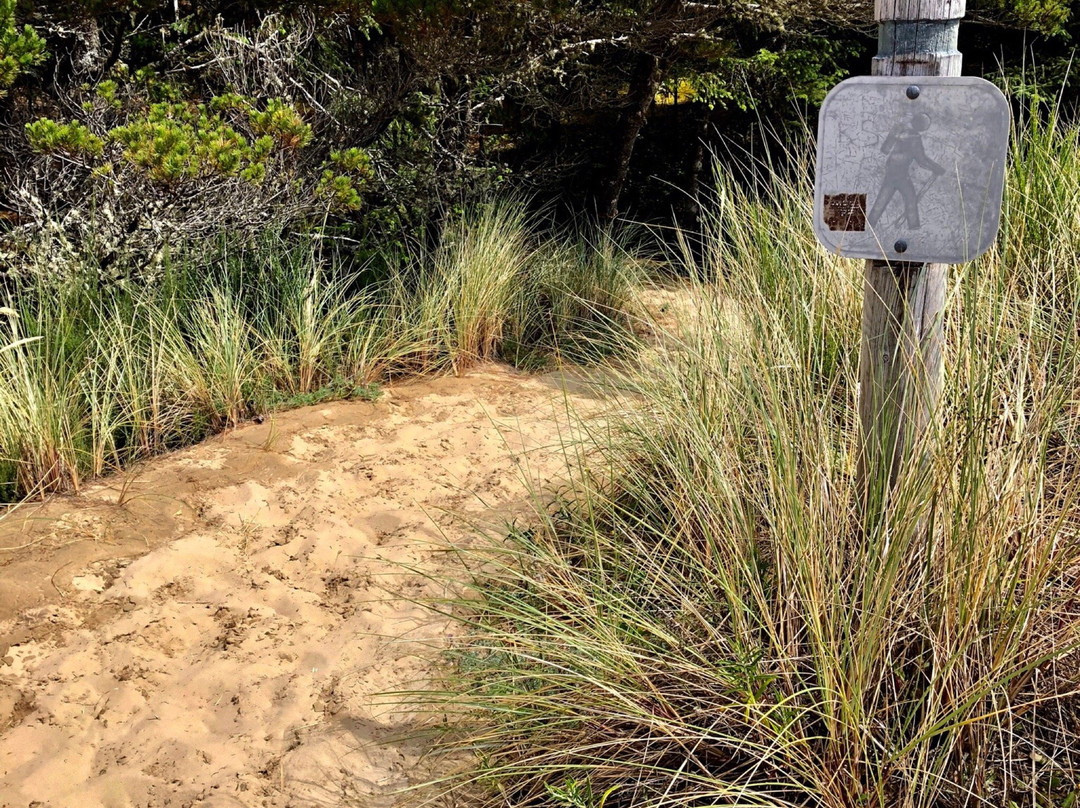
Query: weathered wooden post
[[900, 370], [910, 174]]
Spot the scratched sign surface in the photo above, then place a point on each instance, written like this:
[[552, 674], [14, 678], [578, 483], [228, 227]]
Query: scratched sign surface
[[911, 169]]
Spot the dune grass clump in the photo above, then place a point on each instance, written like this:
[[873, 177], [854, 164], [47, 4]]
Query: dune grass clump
[[95, 377], [455, 302], [493, 290], [706, 616], [576, 303], [479, 266]]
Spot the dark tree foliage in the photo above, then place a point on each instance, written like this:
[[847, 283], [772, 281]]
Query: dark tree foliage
[[123, 122]]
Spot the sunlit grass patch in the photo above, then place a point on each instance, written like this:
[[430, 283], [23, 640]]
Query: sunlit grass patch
[[93, 378]]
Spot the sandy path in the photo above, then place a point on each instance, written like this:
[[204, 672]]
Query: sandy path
[[215, 629]]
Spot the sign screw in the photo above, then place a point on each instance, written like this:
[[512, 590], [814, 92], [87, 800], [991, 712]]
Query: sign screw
[[900, 246], [913, 92]]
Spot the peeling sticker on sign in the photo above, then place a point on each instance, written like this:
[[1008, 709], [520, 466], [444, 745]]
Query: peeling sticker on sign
[[845, 212]]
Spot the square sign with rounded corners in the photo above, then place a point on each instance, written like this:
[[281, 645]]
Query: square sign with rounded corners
[[911, 168]]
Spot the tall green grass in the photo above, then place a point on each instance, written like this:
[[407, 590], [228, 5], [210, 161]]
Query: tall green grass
[[92, 379], [705, 618]]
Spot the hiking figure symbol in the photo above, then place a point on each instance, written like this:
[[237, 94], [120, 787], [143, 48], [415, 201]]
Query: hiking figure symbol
[[904, 150]]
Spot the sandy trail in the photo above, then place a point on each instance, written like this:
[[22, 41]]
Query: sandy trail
[[214, 629]]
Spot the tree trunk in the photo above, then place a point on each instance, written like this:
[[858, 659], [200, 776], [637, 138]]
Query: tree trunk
[[643, 84], [86, 60]]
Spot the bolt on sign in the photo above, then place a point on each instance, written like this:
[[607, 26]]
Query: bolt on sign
[[911, 168]]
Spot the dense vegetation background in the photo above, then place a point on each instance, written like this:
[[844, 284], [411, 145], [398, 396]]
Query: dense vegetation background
[[131, 127]]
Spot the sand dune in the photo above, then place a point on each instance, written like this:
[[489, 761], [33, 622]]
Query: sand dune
[[215, 628]]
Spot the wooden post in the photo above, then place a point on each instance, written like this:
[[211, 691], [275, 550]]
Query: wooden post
[[902, 331]]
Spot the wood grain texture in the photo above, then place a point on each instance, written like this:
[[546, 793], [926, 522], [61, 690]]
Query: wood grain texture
[[918, 64], [901, 368], [918, 9]]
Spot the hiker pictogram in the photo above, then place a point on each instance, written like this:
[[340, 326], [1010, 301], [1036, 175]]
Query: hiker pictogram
[[911, 173], [904, 149]]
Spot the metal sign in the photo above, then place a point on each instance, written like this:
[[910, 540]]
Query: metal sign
[[911, 168]]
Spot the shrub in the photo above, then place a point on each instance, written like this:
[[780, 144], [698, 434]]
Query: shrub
[[20, 49], [136, 176]]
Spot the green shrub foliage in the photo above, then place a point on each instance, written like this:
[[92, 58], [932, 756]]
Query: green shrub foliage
[[21, 48]]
